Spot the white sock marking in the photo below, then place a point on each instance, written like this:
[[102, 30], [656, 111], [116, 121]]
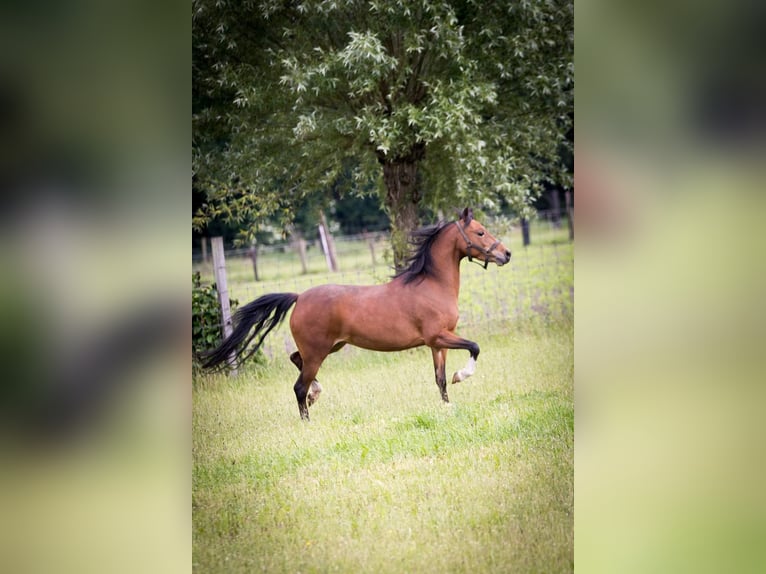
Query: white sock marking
[[467, 371]]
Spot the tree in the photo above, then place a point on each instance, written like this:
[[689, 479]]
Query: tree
[[428, 105]]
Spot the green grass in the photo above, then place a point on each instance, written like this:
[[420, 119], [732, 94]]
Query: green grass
[[385, 478]]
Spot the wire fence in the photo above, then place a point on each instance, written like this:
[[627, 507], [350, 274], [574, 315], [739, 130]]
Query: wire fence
[[537, 285], [544, 222]]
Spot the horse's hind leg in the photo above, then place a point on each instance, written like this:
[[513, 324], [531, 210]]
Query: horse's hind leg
[[298, 360], [440, 360], [301, 389], [306, 388], [316, 389]]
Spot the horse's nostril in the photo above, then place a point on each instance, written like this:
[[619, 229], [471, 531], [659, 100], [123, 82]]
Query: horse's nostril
[[508, 255]]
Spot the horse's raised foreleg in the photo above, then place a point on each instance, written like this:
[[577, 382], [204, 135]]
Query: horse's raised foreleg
[[440, 370], [448, 340]]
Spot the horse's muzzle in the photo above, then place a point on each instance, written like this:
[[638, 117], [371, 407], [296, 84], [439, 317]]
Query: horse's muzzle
[[502, 258]]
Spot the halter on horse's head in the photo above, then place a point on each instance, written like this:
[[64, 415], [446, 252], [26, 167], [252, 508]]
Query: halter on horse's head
[[483, 243]]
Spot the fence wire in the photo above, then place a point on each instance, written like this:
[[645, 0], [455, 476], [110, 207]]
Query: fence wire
[[537, 285]]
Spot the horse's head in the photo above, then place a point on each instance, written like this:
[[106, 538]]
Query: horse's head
[[480, 243]]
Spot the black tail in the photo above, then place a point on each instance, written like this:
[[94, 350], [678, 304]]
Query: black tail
[[264, 314]]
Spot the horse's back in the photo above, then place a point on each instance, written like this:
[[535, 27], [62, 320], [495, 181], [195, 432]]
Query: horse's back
[[373, 317], [329, 303], [341, 298], [321, 312], [325, 297]]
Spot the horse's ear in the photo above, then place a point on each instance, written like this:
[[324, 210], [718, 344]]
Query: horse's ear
[[467, 216]]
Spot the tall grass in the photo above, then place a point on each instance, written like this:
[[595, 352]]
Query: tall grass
[[386, 478]]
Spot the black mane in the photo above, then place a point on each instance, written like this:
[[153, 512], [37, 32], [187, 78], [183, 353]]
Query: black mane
[[419, 264]]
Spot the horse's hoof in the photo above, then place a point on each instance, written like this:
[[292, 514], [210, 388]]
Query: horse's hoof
[[456, 378], [314, 392]]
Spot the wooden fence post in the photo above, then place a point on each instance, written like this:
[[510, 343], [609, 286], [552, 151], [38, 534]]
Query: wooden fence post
[[370, 243], [253, 252], [525, 230], [327, 243], [219, 271], [300, 246]]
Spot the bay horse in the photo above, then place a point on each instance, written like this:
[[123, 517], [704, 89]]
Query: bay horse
[[417, 307]]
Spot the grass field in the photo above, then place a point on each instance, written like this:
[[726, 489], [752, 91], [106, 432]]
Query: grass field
[[385, 478]]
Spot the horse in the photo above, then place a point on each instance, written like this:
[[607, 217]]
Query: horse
[[417, 307]]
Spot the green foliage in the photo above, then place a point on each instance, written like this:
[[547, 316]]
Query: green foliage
[[206, 316], [355, 214], [290, 98]]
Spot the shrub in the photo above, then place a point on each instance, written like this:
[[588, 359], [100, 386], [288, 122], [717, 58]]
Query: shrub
[[206, 317]]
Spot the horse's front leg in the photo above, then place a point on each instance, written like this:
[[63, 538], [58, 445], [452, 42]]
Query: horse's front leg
[[448, 340], [467, 371], [440, 362]]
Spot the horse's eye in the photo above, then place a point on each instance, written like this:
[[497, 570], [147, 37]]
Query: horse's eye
[[480, 233]]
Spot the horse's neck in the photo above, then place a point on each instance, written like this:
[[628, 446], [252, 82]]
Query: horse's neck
[[446, 262]]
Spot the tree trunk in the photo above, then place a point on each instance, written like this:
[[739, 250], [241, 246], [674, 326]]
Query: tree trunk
[[402, 199], [570, 213]]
